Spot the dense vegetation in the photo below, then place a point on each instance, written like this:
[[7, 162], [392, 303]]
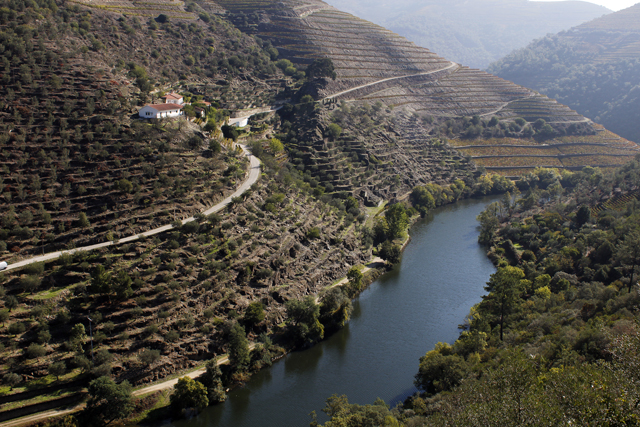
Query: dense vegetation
[[477, 33], [594, 68], [556, 337]]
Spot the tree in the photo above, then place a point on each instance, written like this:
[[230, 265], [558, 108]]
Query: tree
[[276, 145], [397, 220], [422, 199], [440, 369], [35, 351], [303, 317], [212, 380], [108, 401], [10, 302], [83, 221], [124, 185], [188, 393], [100, 280], [583, 215], [57, 369], [321, 68], [336, 308], [505, 285], [334, 131], [355, 277], [239, 356], [390, 252], [11, 379], [628, 252], [254, 314]]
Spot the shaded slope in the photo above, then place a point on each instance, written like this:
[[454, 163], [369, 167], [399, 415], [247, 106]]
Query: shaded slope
[[594, 68]]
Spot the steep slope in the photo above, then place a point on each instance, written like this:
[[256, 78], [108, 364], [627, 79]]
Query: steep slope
[[473, 33], [78, 167], [594, 68], [375, 65]]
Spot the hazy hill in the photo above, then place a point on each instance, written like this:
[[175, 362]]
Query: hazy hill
[[473, 33], [594, 68]]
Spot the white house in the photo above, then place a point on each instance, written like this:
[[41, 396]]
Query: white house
[[174, 98], [159, 111], [239, 121]]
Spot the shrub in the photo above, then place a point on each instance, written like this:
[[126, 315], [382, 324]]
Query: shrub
[[148, 356]]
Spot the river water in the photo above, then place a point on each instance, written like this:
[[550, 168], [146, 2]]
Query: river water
[[396, 320]]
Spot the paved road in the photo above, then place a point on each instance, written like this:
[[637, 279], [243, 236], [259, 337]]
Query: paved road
[[254, 174]]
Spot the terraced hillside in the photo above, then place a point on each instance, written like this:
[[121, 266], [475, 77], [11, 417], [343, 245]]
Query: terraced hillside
[[374, 65], [594, 68]]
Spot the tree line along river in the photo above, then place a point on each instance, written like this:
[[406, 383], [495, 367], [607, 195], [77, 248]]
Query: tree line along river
[[400, 317]]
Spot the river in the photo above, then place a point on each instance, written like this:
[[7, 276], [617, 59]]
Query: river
[[396, 320]]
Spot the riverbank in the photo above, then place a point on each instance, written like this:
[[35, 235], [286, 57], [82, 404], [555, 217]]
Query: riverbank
[[373, 270]]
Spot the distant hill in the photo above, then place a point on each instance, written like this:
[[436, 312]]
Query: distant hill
[[594, 68], [473, 33]]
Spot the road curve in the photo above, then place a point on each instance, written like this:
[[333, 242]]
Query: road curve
[[254, 174]]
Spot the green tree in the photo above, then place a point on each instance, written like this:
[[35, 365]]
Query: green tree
[[122, 285], [239, 356], [321, 68], [397, 220], [254, 314], [57, 369], [212, 380], [108, 401], [303, 317], [35, 351], [336, 308], [334, 131], [440, 369], [11, 379], [355, 277], [390, 252], [422, 199], [188, 393], [505, 286], [100, 281], [83, 221], [628, 252], [276, 145]]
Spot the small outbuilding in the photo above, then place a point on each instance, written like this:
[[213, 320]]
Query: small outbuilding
[[174, 98], [159, 111]]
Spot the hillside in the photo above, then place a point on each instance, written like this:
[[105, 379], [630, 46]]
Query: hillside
[[555, 339], [378, 66], [594, 68], [473, 33], [79, 167]]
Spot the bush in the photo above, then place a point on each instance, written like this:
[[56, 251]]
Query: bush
[[35, 351], [313, 233], [148, 356]]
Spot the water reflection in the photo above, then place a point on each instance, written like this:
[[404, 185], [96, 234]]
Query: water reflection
[[400, 317]]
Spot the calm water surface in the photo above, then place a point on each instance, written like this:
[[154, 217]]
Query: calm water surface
[[395, 321]]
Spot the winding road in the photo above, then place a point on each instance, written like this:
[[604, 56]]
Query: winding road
[[254, 174], [335, 95]]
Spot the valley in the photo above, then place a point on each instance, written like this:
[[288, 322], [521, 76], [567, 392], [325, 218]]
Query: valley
[[196, 252]]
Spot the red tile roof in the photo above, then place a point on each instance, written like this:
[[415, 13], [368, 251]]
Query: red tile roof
[[173, 95], [165, 107]]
